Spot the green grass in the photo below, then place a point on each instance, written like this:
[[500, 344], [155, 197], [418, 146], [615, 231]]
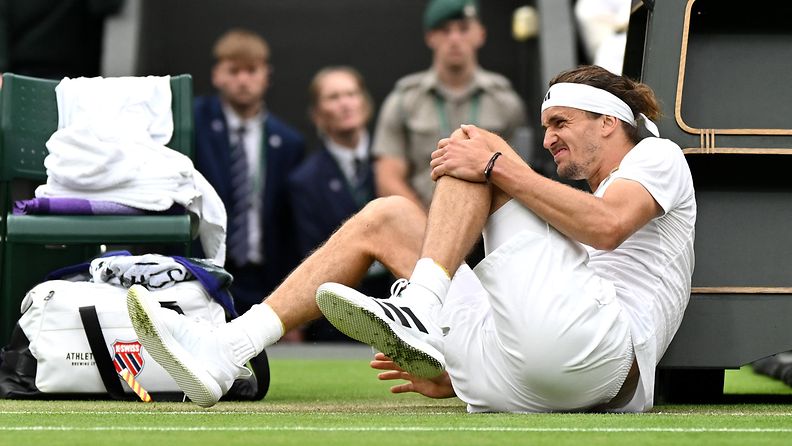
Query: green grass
[[339, 402]]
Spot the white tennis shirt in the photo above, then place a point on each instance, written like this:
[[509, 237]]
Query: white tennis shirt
[[652, 269]]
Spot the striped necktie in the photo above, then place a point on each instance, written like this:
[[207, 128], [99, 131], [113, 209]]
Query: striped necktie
[[360, 189], [241, 195]]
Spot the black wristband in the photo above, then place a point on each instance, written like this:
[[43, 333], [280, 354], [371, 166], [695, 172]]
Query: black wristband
[[490, 165]]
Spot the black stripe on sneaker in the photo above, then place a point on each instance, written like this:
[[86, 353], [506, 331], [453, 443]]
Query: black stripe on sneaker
[[418, 323], [399, 314], [402, 313], [386, 310]]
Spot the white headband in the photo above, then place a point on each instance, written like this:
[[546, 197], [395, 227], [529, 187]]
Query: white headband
[[595, 100]]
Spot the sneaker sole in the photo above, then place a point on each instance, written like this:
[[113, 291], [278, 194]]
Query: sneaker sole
[[363, 325], [199, 387]]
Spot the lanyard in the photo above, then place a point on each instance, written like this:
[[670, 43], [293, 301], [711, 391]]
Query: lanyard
[[443, 116]]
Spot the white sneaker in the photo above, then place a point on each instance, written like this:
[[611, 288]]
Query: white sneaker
[[191, 352], [405, 333]]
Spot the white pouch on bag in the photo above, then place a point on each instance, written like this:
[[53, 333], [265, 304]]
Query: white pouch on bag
[[65, 364]]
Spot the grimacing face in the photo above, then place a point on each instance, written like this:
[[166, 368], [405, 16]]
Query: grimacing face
[[572, 139], [241, 83], [341, 106]]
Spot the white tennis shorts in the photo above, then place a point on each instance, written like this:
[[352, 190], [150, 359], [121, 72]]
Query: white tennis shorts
[[533, 329]]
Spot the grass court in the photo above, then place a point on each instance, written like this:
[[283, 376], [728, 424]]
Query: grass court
[[340, 402]]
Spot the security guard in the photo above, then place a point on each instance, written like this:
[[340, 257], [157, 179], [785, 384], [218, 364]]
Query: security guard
[[427, 106]]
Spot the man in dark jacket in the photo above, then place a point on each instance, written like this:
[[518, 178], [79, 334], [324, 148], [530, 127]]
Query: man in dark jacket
[[247, 153]]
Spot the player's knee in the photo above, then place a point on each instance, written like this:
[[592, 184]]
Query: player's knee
[[379, 213], [387, 210]]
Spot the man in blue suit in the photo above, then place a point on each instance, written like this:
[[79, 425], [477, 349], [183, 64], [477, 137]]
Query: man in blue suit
[[247, 153], [337, 180]]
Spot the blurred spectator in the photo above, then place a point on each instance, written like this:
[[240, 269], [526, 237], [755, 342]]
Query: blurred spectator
[[427, 106], [53, 38], [603, 28], [337, 180], [247, 153]]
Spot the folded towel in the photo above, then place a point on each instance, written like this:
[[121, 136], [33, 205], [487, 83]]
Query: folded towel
[[157, 272], [152, 271], [109, 147], [72, 206], [117, 108]]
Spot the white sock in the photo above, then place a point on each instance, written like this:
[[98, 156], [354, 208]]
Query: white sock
[[249, 334], [432, 276]]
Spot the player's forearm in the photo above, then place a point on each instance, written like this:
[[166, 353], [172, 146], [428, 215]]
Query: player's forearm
[[577, 214]]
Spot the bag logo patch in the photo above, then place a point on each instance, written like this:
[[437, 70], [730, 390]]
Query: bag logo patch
[[128, 355]]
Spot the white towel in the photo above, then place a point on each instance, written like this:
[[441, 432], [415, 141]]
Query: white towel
[[153, 271], [117, 108], [109, 146]]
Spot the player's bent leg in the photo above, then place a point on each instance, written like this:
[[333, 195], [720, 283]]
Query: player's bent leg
[[406, 332], [195, 355]]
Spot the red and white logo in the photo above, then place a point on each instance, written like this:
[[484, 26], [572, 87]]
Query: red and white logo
[[128, 355]]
